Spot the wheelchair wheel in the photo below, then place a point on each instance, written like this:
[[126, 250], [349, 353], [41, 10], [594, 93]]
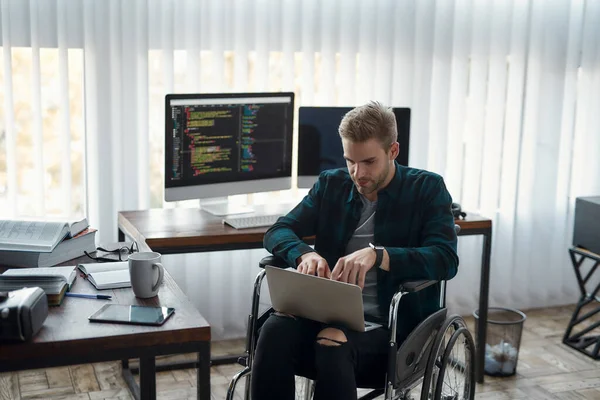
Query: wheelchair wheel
[[450, 372], [456, 379]]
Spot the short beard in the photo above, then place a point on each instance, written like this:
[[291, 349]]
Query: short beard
[[379, 181]]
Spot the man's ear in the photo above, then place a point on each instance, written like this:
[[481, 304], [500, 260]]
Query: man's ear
[[394, 150]]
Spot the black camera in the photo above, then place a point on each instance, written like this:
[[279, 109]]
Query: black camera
[[22, 313]]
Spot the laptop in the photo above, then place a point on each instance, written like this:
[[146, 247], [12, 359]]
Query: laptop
[[318, 299]]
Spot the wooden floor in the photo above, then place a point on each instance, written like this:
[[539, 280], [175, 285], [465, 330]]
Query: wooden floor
[[547, 370]]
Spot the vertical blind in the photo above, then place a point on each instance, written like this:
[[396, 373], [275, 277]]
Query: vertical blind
[[504, 99]]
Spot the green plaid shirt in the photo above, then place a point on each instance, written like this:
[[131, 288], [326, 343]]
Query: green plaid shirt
[[413, 222]]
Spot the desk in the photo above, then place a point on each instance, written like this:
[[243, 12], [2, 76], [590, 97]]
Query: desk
[[188, 230], [67, 338]]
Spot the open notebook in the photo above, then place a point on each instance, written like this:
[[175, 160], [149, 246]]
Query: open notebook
[[108, 275]]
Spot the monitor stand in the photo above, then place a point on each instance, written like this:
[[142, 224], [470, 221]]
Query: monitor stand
[[220, 207]]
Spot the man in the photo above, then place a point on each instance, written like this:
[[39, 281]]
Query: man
[[377, 224]]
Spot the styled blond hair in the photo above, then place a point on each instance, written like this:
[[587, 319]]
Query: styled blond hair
[[370, 121]]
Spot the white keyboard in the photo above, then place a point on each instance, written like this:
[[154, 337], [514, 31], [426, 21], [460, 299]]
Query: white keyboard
[[254, 221]]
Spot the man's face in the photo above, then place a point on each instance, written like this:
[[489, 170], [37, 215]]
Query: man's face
[[369, 164]]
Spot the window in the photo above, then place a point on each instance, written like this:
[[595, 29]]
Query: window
[[42, 168]]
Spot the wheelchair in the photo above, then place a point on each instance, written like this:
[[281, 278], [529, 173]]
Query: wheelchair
[[438, 355]]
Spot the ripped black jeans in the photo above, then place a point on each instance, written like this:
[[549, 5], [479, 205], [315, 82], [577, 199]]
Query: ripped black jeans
[[288, 346]]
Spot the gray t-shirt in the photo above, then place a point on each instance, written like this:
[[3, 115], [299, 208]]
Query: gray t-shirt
[[363, 235]]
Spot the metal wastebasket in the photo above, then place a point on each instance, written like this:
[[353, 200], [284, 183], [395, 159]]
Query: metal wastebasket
[[504, 330]]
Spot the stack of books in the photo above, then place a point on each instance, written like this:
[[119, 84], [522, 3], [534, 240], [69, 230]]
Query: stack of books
[[43, 243], [55, 281]]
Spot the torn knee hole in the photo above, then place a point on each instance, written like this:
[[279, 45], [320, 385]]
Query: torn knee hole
[[332, 335], [329, 342]]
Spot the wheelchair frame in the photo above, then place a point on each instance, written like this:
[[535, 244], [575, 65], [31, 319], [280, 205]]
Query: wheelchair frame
[[391, 377], [414, 348]]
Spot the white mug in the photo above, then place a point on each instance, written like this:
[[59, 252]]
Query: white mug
[[146, 274]]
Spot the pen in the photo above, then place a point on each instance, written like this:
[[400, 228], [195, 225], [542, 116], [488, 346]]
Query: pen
[[89, 296]]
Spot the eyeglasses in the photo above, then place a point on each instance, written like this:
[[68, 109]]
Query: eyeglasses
[[121, 252]]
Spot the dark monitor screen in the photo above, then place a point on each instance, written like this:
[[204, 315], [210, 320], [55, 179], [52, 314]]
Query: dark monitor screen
[[226, 144], [320, 146]]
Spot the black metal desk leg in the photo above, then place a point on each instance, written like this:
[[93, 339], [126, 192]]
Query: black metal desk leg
[[484, 289], [147, 378], [134, 388], [204, 371]]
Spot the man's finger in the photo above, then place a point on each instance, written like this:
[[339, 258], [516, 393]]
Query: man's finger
[[306, 267], [345, 271], [335, 274], [312, 267], [323, 269], [361, 277], [301, 267], [327, 271], [353, 274]]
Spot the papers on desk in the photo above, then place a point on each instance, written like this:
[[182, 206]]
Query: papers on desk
[[108, 275]]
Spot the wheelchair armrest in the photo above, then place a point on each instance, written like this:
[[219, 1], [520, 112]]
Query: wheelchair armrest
[[415, 286], [273, 261]]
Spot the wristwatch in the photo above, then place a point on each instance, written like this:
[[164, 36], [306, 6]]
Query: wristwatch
[[379, 254]]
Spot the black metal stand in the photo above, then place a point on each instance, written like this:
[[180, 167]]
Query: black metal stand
[[130, 380], [147, 369], [590, 344]]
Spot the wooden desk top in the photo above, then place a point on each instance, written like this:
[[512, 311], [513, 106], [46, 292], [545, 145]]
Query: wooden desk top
[[473, 222], [188, 229], [183, 227], [68, 333]]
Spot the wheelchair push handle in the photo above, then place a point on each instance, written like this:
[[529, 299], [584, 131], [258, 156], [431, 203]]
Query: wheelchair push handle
[[272, 261], [415, 286]]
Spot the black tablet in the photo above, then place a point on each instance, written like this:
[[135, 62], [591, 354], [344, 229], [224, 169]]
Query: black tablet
[[135, 315]]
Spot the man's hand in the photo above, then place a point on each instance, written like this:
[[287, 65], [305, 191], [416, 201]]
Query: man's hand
[[353, 267], [313, 262]]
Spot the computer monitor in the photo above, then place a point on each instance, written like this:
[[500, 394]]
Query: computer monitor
[[320, 146], [218, 145]]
